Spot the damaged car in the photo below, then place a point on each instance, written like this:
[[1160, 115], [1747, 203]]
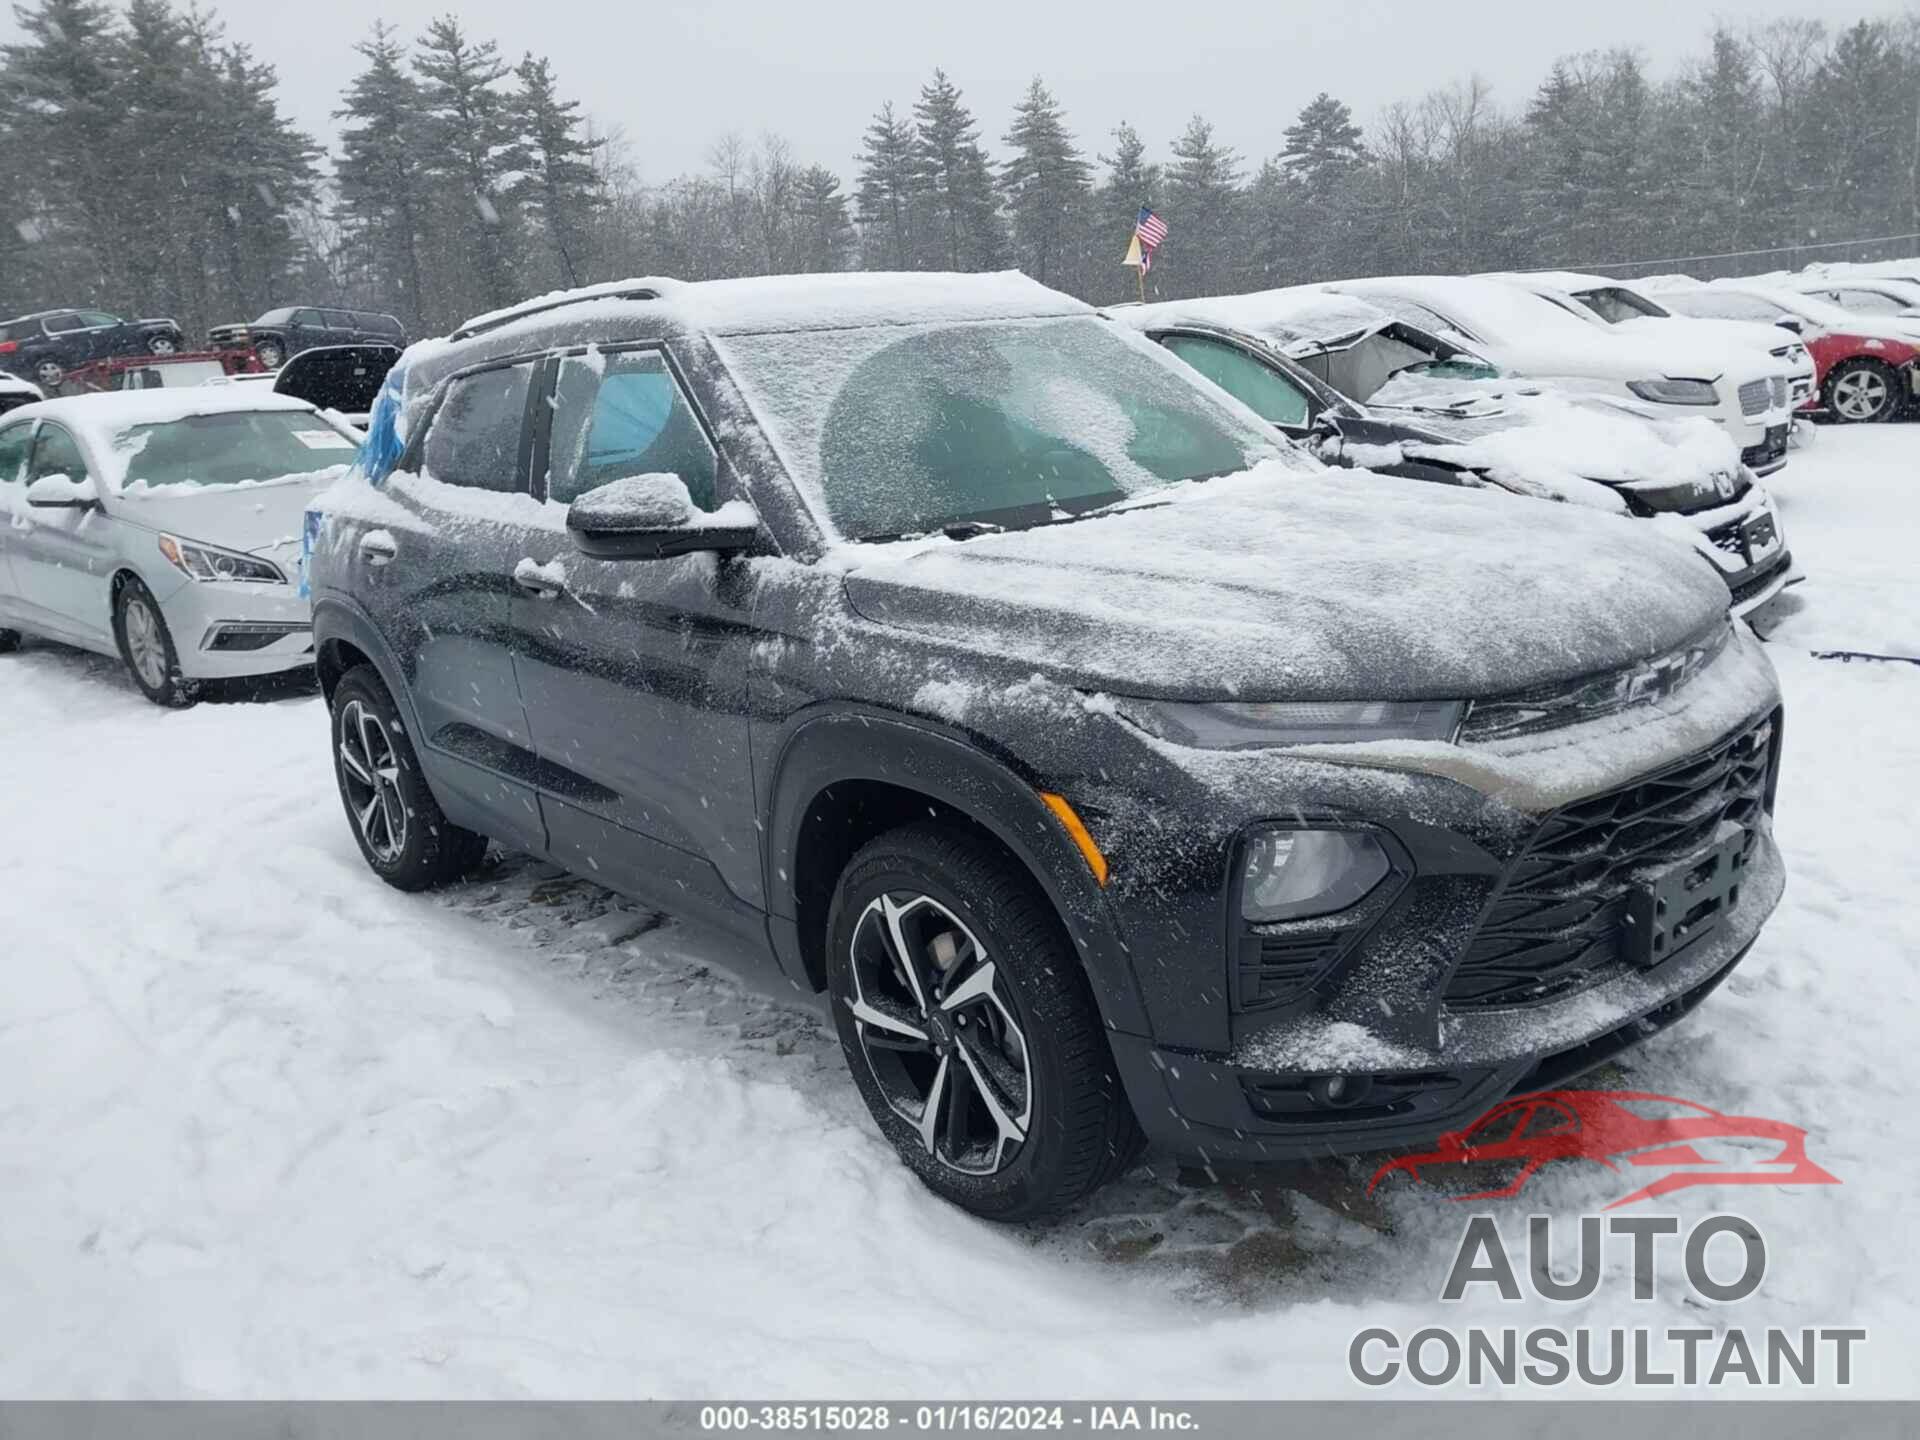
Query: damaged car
[[1364, 389], [1118, 771]]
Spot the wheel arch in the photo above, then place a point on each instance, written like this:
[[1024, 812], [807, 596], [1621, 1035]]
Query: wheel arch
[[845, 776], [342, 638]]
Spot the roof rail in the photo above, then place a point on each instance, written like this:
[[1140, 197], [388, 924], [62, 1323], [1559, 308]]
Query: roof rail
[[560, 299]]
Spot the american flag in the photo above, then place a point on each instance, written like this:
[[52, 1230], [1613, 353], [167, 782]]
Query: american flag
[[1150, 230]]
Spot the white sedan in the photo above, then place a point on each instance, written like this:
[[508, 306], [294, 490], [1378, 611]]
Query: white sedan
[[163, 527]]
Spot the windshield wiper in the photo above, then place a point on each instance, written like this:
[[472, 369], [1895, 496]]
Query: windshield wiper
[[953, 530]]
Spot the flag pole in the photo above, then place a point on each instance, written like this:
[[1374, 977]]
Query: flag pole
[[1141, 273]]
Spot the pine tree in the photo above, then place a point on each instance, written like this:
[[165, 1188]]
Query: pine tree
[[889, 192], [964, 230], [382, 176], [1048, 184], [1203, 191], [1323, 146], [1861, 140], [561, 188], [469, 148], [1322, 162], [60, 79], [826, 238]]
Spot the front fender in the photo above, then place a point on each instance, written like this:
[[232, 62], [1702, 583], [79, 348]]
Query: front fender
[[819, 748]]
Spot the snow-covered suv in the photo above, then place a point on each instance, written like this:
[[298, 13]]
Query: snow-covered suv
[[1115, 767]]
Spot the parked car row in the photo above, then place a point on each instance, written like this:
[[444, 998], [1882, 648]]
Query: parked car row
[[1018, 675], [47, 347]]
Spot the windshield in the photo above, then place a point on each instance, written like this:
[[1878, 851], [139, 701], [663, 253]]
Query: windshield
[[904, 430], [1614, 304], [1360, 370], [227, 448]]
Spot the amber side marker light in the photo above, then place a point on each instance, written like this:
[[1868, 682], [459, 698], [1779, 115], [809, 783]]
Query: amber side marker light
[[1077, 832]]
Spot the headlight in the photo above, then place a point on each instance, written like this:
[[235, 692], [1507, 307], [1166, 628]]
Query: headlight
[[1676, 392], [1232, 726], [209, 562], [1292, 874]]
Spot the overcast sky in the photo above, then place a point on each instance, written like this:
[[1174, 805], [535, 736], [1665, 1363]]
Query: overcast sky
[[676, 74]]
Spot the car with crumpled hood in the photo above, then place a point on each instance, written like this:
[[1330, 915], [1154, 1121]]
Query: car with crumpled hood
[[1116, 769], [1363, 388]]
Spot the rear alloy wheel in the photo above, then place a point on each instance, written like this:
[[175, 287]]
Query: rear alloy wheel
[[399, 826], [161, 345], [1862, 392], [969, 1027], [48, 374], [269, 353], [147, 647]]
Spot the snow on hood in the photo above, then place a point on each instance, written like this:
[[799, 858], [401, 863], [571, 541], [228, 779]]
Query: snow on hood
[[257, 515], [1544, 440], [1277, 585]]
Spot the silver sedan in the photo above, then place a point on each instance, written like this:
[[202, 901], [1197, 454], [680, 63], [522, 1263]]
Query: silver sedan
[[163, 527]]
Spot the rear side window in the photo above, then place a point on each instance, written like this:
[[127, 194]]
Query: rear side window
[[1270, 395], [474, 439], [14, 444], [57, 324], [98, 319], [340, 320], [382, 325], [56, 453], [306, 317], [621, 415]]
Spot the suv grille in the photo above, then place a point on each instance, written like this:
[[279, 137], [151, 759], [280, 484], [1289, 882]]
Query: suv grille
[[1556, 925], [1755, 396]]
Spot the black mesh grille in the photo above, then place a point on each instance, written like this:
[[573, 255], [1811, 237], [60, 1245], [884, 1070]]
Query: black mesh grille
[[1555, 927]]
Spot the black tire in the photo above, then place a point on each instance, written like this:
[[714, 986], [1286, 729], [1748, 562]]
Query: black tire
[[270, 353], [9, 641], [146, 647], [1853, 384], [432, 850], [162, 345], [1080, 1131]]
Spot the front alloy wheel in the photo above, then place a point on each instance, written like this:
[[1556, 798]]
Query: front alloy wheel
[[969, 1026], [370, 782], [939, 1034], [48, 375], [162, 345], [1861, 392]]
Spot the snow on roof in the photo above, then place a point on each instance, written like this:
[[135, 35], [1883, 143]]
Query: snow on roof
[[118, 409], [1570, 281], [815, 302], [13, 384], [1289, 316]]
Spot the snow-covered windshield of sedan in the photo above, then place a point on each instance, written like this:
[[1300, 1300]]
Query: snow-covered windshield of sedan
[[899, 431], [1614, 304], [231, 447]]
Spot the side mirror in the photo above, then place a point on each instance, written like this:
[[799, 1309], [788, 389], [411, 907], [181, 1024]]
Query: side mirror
[[652, 517], [1791, 322], [58, 492]]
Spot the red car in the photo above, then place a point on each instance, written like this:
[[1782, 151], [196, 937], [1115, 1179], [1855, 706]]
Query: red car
[[1865, 365], [154, 372], [1602, 1126]]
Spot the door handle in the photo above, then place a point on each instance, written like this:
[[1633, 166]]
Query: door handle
[[540, 581], [377, 547]]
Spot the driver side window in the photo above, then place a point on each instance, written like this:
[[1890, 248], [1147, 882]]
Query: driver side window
[[1263, 390], [620, 415], [14, 444], [56, 453]]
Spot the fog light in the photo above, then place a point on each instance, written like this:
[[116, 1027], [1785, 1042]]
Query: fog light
[[1291, 874]]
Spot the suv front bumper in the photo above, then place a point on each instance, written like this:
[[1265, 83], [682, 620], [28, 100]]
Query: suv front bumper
[[1268, 1101]]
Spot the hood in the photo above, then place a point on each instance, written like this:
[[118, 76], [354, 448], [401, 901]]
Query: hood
[[1537, 442], [1273, 585], [252, 518], [1877, 327], [1752, 334], [1626, 354]]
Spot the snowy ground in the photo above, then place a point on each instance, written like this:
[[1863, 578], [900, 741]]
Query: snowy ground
[[268, 1128]]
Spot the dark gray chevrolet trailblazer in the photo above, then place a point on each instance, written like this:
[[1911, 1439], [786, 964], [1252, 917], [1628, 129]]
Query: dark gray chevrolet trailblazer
[[1119, 771]]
